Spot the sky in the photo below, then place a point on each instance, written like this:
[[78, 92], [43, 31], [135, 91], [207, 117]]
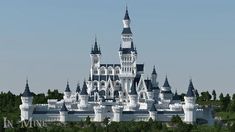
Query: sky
[[49, 42]]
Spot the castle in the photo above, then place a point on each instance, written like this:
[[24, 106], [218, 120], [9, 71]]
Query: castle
[[119, 92]]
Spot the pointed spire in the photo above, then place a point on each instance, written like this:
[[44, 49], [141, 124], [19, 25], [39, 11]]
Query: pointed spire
[[27, 92], [126, 17], [63, 108], [190, 92], [166, 83], [153, 108], [67, 89], [154, 71], [89, 78], [78, 88], [84, 89], [95, 49], [133, 89]]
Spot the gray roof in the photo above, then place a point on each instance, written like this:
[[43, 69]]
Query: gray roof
[[84, 89], [64, 108], [27, 92], [136, 112], [67, 89], [190, 92]]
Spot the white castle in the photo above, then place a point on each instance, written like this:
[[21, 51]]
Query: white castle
[[119, 92]]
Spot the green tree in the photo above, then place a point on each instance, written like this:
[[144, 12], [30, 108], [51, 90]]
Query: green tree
[[176, 119]]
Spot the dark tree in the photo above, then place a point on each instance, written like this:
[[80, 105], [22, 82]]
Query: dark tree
[[214, 95]]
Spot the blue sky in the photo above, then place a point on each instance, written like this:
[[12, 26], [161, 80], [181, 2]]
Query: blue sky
[[49, 41]]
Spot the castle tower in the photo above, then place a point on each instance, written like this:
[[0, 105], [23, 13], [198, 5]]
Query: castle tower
[[133, 97], [26, 107], [67, 92], [83, 98], [127, 56], [189, 106], [156, 89], [63, 113]]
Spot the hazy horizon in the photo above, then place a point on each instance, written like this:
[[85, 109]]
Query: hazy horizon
[[49, 41]]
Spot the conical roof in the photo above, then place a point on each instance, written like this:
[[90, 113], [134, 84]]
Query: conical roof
[[27, 92], [153, 108], [166, 83], [190, 92], [67, 89], [63, 108], [84, 89], [133, 89]]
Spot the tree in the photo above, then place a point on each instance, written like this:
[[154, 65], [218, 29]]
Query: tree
[[106, 121], [214, 95], [221, 96], [88, 120], [176, 119], [205, 96]]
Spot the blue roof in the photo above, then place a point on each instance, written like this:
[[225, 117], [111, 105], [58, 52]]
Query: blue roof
[[154, 71], [84, 89], [140, 67], [126, 31], [67, 89], [153, 108], [95, 49], [27, 92], [78, 88], [190, 92], [166, 83], [126, 17], [64, 108], [133, 89], [47, 112], [136, 112], [176, 96], [149, 85], [81, 112]]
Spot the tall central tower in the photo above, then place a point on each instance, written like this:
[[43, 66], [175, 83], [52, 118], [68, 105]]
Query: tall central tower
[[127, 56]]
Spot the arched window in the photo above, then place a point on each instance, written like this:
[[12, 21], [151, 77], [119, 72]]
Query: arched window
[[102, 71], [102, 84]]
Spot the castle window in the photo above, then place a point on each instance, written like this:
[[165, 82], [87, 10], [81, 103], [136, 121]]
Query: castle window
[[95, 71], [102, 83]]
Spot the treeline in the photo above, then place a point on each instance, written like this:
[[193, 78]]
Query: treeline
[[225, 103]]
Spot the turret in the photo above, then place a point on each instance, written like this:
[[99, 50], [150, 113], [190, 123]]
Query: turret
[[83, 98], [133, 97], [63, 113], [165, 92], [67, 92], [26, 107], [152, 112], [189, 106], [78, 91], [117, 113]]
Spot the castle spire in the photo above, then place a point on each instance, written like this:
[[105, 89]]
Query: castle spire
[[190, 92], [27, 92], [84, 89], [67, 89], [95, 49], [154, 70], [166, 83]]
